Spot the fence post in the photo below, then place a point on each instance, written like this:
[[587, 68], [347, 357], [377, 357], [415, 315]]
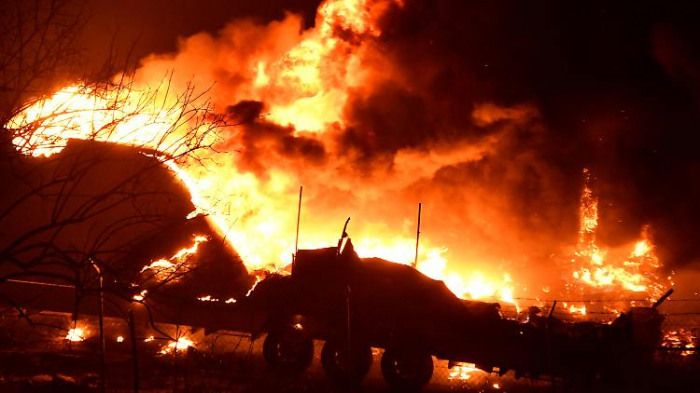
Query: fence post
[[134, 350]]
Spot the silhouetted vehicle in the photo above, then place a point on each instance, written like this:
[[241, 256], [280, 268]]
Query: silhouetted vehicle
[[355, 304]]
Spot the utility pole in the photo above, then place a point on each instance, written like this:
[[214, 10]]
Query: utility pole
[[296, 241], [415, 262]]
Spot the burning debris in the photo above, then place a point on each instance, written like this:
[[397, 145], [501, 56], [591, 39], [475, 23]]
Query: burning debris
[[76, 334], [682, 338], [179, 345], [176, 265]]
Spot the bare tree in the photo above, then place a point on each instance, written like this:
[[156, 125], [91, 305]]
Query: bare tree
[[91, 193], [90, 204], [37, 48]]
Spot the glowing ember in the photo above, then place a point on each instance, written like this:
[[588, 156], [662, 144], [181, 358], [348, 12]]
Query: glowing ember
[[120, 339], [76, 334], [230, 301], [207, 298]]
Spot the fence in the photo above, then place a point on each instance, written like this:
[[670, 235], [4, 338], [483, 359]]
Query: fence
[[40, 355]]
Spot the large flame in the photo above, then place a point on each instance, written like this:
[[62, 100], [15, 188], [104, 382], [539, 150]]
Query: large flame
[[637, 273], [304, 78]]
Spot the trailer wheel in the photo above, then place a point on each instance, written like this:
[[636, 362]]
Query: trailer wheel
[[288, 349], [344, 370], [406, 370]]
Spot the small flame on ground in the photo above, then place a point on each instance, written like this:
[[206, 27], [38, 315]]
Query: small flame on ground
[[76, 334], [140, 296], [120, 339], [681, 338], [463, 372], [178, 345]]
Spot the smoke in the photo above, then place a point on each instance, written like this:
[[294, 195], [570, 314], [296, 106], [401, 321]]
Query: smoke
[[484, 112]]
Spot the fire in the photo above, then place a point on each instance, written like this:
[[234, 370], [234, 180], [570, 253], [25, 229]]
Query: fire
[[259, 276], [103, 113], [163, 269], [179, 345], [76, 334], [140, 296], [681, 338], [463, 372], [573, 309], [303, 80], [638, 273]]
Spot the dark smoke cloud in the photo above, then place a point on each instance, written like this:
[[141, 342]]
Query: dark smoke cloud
[[611, 86], [260, 143], [132, 29], [615, 84]]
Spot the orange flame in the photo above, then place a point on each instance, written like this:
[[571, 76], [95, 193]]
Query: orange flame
[[303, 77], [179, 345], [681, 338], [638, 273], [76, 334], [176, 264]]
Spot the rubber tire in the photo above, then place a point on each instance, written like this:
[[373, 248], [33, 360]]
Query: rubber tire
[[406, 370], [333, 360], [288, 350]]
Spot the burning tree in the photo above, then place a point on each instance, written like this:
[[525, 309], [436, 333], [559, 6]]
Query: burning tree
[[37, 45]]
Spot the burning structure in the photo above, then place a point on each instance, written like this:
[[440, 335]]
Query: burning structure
[[150, 183]]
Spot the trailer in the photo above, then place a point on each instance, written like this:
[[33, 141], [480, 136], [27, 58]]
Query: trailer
[[355, 304]]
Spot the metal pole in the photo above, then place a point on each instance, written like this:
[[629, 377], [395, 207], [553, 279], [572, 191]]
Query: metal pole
[[296, 243], [415, 262], [103, 372], [134, 350], [549, 347], [100, 316]]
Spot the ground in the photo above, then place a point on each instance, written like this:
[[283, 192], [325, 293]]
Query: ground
[[39, 359]]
